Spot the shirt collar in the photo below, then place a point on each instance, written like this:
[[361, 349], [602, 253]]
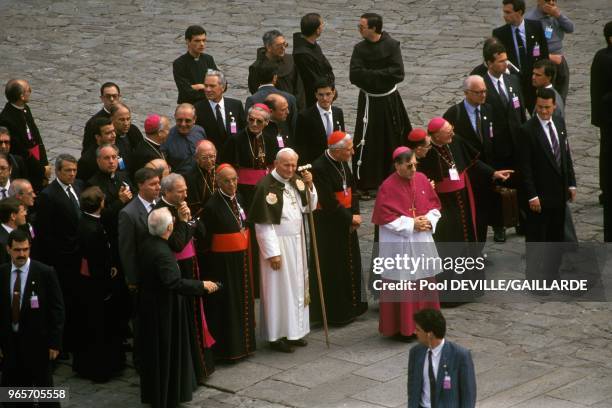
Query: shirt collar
[[21, 108], [543, 122], [7, 185], [214, 104], [521, 26], [24, 269], [437, 350], [322, 111], [7, 228], [469, 107], [153, 142], [144, 202], [92, 215], [278, 177], [230, 197], [494, 79], [63, 186]]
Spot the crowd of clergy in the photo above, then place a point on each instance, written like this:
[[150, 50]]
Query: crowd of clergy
[[161, 242]]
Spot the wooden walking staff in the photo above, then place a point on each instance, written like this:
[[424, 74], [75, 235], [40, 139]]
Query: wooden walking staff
[[316, 257]]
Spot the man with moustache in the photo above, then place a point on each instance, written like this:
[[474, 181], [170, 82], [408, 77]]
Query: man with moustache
[[18, 166], [190, 68], [220, 116]]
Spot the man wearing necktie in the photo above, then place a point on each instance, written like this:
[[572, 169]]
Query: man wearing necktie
[[32, 337], [440, 372], [548, 183], [525, 42], [56, 228]]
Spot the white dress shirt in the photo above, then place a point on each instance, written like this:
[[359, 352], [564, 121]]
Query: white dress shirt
[[221, 103], [65, 186], [501, 81], [323, 114]]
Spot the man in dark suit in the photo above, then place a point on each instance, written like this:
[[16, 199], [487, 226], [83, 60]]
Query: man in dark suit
[[221, 117], [32, 318], [25, 136], [13, 215], [157, 129], [18, 166], [525, 44], [549, 182], [451, 381], [316, 123], [133, 221], [268, 76], [201, 180], [279, 127], [104, 133], [472, 119], [601, 106], [110, 94], [128, 136], [190, 68], [56, 226]]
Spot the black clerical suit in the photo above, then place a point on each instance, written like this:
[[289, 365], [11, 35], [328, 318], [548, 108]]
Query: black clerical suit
[[311, 137], [534, 34], [87, 166], [188, 71], [312, 66], [549, 179], [18, 122], [216, 132], [89, 138], [41, 319], [144, 152], [18, 167], [264, 91], [483, 142]]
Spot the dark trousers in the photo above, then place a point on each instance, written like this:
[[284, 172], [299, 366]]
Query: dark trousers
[[605, 178], [561, 83], [544, 236], [24, 367]]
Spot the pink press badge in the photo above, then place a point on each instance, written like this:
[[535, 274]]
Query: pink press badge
[[34, 302], [446, 384], [233, 128], [281, 142], [453, 174], [242, 214], [536, 50], [515, 102]]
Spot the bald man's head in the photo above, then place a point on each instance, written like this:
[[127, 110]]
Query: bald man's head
[[475, 90], [227, 180], [279, 107], [206, 155]]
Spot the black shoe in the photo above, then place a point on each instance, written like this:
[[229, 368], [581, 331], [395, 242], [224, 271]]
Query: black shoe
[[298, 342], [282, 346], [405, 339], [520, 230], [499, 234]]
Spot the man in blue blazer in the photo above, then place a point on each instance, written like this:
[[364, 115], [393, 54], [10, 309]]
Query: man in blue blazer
[[439, 367]]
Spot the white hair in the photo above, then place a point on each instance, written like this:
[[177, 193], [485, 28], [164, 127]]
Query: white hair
[[467, 82], [286, 150], [168, 182], [158, 221]]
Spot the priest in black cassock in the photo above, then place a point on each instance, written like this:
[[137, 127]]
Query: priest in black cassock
[[190, 68], [447, 164], [336, 222], [230, 312], [26, 140], [382, 122], [167, 375], [174, 192]]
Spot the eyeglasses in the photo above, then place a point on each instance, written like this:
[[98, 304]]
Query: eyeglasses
[[255, 120], [483, 92], [411, 165], [209, 157], [282, 45], [5, 142], [4, 168]]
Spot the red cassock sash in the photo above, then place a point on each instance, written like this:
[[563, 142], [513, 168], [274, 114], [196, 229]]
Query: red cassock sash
[[250, 176]]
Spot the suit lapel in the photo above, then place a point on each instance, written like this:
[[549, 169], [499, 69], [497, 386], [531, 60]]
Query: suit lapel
[[316, 117], [465, 118], [443, 368], [541, 136], [31, 285], [511, 51]]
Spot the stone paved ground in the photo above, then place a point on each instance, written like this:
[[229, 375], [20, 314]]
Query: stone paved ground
[[526, 354]]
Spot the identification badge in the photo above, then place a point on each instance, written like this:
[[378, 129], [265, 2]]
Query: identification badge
[[233, 127], [281, 142], [453, 174], [548, 31], [447, 382], [34, 302], [490, 130], [242, 214], [536, 50], [515, 102], [28, 132], [344, 189], [121, 163]]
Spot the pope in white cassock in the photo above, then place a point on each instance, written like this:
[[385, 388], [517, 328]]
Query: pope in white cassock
[[277, 211]]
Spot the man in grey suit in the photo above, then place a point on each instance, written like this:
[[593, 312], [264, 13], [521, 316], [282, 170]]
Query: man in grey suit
[[133, 221], [268, 76], [440, 372]]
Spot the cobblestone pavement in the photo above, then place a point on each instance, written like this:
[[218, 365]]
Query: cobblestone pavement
[[526, 354]]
